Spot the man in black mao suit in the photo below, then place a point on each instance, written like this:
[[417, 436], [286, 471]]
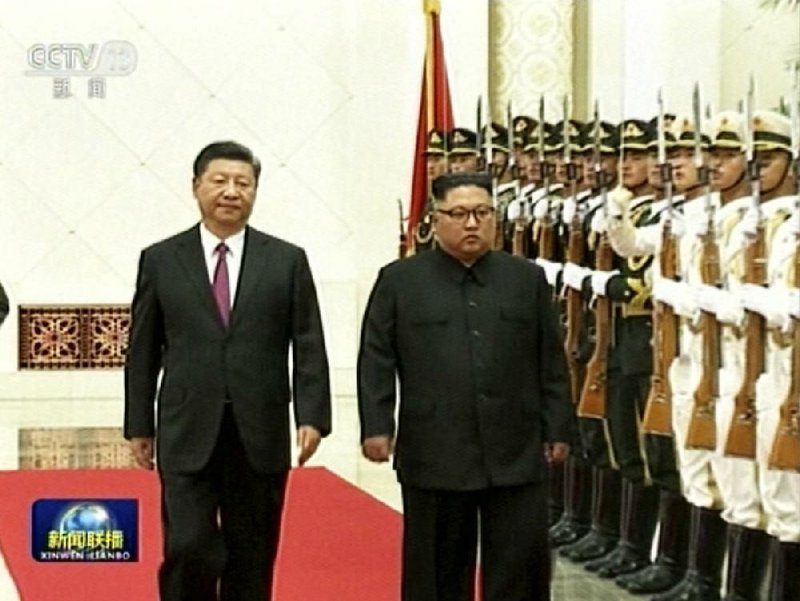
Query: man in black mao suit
[[217, 323], [472, 335]]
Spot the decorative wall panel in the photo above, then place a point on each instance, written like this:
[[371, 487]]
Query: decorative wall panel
[[73, 337], [530, 55], [73, 448]]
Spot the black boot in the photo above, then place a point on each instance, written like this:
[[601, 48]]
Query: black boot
[[785, 585], [703, 580], [748, 551], [574, 524], [673, 549], [638, 528], [555, 501], [603, 536]]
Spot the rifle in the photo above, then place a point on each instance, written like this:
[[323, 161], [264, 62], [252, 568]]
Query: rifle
[[702, 433], [575, 252], [657, 417], [785, 452], [518, 241], [403, 243], [741, 440], [543, 232], [595, 388]]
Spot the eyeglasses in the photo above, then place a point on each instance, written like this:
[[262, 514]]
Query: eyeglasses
[[461, 215]]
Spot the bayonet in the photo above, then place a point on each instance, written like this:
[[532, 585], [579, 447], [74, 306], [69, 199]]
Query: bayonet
[[699, 161], [665, 168], [479, 130]]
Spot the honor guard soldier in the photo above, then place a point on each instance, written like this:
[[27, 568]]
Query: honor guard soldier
[[436, 162], [495, 146], [699, 463], [591, 471], [628, 289], [464, 152], [522, 128], [744, 338]]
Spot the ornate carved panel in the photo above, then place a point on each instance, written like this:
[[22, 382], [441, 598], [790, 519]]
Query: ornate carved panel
[[73, 336], [73, 448]]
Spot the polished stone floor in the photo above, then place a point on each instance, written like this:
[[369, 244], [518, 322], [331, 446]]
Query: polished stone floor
[[573, 583]]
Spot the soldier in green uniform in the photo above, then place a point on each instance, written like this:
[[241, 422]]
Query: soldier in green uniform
[[590, 478], [437, 164], [495, 147], [463, 153], [630, 359]]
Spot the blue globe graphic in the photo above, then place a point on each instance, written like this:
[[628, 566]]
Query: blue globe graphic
[[88, 517]]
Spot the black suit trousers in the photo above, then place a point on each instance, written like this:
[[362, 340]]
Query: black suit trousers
[[221, 526], [440, 539]]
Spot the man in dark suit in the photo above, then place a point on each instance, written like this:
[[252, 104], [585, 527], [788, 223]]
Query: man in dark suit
[[472, 335], [217, 309]]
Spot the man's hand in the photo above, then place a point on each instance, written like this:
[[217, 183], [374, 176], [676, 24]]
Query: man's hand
[[142, 450], [378, 448], [556, 452], [308, 438]]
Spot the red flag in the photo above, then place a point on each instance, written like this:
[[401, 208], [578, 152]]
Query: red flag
[[435, 110]]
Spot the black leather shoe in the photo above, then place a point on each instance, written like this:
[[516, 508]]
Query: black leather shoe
[[569, 534], [595, 564], [693, 587], [593, 545], [655, 578], [626, 562]]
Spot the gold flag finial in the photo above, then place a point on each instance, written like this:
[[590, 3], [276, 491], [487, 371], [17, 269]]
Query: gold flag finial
[[431, 6]]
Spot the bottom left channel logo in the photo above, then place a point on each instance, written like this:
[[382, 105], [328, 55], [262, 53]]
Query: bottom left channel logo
[[85, 530]]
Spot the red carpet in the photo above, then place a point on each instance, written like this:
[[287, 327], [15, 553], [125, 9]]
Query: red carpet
[[339, 543]]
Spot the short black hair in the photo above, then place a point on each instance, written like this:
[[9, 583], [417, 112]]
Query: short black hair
[[444, 183], [226, 150]]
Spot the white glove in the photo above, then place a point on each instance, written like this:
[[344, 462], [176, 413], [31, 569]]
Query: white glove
[[793, 302], [773, 305], [514, 210], [574, 275], [568, 210], [619, 199], [600, 281], [676, 294], [723, 304], [551, 270], [540, 208], [599, 222], [749, 222]]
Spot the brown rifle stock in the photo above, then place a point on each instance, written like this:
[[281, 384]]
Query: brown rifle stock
[[547, 239], [657, 417], [785, 452], [702, 431], [595, 388], [574, 311], [741, 440], [518, 240]]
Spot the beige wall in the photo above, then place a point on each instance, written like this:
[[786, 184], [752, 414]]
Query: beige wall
[[637, 46]]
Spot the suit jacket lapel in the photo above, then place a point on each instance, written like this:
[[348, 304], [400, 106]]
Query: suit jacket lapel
[[253, 259], [190, 255]]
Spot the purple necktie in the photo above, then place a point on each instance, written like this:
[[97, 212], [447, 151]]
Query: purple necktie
[[221, 283]]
